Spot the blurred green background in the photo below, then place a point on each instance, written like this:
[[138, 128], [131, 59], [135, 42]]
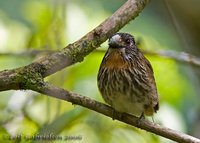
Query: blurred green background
[[27, 26]]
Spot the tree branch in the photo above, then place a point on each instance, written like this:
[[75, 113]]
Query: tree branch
[[180, 57], [106, 110], [177, 27], [28, 53], [75, 52]]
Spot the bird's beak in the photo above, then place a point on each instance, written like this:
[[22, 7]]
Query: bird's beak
[[113, 44]]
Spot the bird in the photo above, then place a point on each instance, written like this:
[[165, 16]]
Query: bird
[[126, 78]]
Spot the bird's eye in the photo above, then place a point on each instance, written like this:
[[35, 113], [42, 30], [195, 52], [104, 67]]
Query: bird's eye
[[128, 42]]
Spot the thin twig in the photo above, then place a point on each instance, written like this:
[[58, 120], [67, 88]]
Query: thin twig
[[177, 26], [178, 56], [28, 53]]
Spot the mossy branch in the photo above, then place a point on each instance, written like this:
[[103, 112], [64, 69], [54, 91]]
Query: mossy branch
[[76, 52], [106, 110]]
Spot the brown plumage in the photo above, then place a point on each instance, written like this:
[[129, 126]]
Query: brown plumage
[[126, 79]]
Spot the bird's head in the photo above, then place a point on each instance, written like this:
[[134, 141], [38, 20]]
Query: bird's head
[[121, 40]]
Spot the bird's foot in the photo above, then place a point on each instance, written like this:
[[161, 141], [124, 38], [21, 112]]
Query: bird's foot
[[142, 117], [113, 114]]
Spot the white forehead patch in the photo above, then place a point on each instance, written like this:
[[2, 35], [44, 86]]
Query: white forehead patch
[[115, 38]]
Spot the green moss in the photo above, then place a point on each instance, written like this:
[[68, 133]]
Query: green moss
[[77, 52], [70, 51], [28, 78], [74, 52]]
